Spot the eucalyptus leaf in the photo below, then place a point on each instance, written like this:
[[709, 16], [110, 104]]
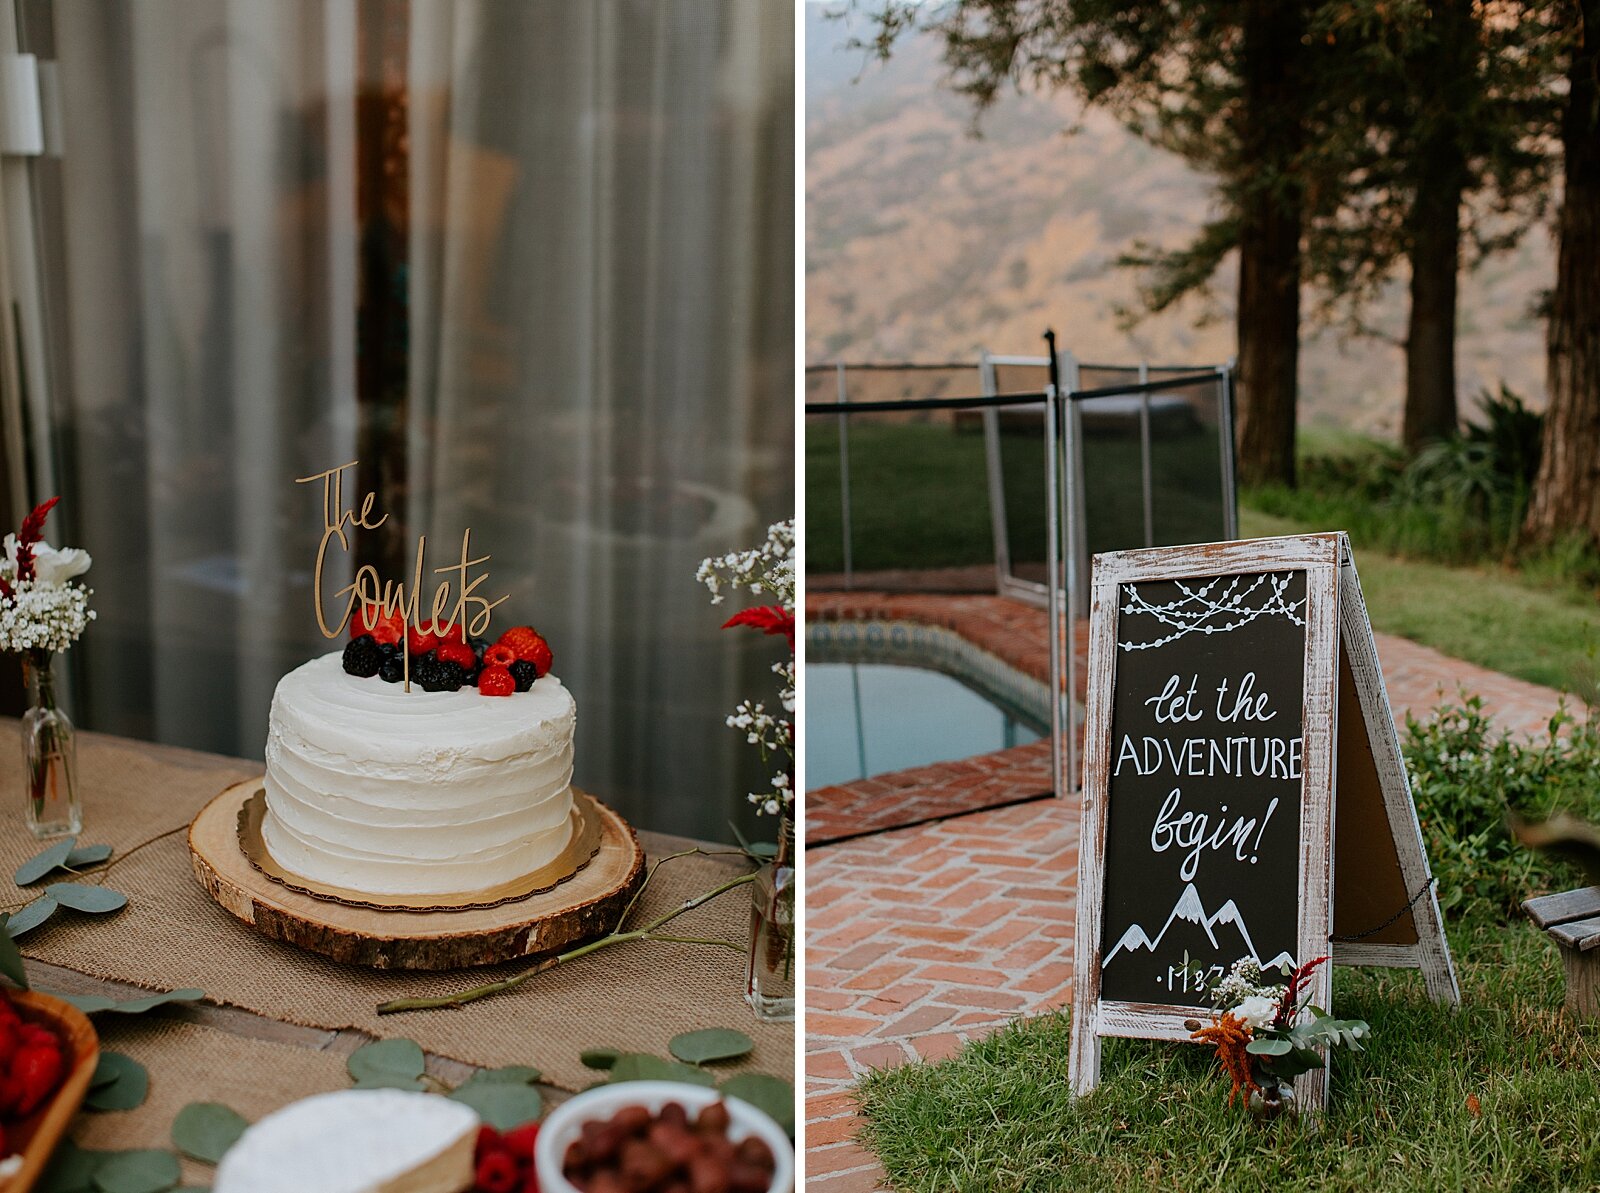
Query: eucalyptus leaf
[[11, 956], [386, 1062], [89, 855], [1308, 1057], [639, 1066], [119, 1083], [41, 863], [391, 1081], [143, 1171], [1268, 1047], [205, 1130], [599, 1058], [502, 1104], [71, 1170], [709, 1044], [769, 1094], [107, 1071], [31, 916], [509, 1074], [93, 1004], [82, 897]]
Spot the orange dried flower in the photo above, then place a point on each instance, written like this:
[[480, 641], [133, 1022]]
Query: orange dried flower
[[1229, 1034]]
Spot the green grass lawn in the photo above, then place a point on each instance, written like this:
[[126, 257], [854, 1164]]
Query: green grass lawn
[[1000, 1117], [920, 499], [1545, 632]]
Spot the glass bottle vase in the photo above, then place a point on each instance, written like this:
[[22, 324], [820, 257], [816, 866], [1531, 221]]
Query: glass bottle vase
[[769, 987], [49, 756]]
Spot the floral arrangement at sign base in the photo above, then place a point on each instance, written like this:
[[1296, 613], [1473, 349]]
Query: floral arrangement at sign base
[[42, 613], [1266, 1034], [768, 570]]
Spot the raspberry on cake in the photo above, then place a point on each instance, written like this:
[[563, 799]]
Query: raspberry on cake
[[529, 646], [419, 642], [458, 653], [496, 681], [383, 628]]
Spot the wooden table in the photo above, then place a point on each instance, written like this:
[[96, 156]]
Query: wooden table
[[279, 1022]]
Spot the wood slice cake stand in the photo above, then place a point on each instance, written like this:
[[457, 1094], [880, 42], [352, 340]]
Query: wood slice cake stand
[[584, 906]]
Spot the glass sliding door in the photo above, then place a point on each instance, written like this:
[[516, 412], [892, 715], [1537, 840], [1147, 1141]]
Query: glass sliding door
[[530, 264]]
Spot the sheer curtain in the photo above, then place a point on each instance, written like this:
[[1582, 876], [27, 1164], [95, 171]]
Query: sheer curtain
[[597, 223]]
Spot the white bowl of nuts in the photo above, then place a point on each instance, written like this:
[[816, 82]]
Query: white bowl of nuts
[[661, 1136]]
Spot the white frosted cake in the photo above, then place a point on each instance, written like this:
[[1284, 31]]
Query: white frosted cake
[[375, 789]]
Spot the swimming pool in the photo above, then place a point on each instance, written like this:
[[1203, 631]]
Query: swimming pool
[[869, 718]]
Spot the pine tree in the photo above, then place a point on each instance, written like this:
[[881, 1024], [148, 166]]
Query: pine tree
[[1566, 495], [1226, 84], [1447, 116]]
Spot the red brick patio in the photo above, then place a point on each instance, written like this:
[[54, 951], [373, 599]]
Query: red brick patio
[[921, 938]]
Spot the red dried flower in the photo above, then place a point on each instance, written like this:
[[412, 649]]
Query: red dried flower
[[30, 532], [769, 619], [1230, 1036], [1291, 993]]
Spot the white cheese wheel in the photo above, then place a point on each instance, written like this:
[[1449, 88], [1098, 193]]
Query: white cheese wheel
[[355, 1141]]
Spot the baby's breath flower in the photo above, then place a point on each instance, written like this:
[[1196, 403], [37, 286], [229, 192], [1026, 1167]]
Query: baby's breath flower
[[767, 569], [42, 615]]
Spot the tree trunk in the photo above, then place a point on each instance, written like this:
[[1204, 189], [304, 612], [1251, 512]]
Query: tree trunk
[[1269, 242], [1430, 412], [1566, 493], [1435, 232]]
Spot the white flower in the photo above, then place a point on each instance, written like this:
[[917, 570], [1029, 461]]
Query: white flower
[[768, 568], [1256, 1011], [51, 565], [41, 616]]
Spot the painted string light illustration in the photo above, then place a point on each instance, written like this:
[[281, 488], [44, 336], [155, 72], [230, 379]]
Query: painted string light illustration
[[1197, 611]]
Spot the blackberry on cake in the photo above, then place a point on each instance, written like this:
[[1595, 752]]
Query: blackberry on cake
[[524, 674], [437, 675], [362, 657]]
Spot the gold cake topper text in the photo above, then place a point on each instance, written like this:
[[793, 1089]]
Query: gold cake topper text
[[368, 589]]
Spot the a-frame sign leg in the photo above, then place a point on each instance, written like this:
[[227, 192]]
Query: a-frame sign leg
[[1426, 949]]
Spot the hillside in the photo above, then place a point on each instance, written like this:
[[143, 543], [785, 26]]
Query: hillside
[[926, 242]]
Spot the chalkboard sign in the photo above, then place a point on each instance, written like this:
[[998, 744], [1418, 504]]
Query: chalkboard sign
[[1203, 797], [1212, 750]]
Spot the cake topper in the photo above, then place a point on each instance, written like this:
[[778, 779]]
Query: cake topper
[[368, 591]]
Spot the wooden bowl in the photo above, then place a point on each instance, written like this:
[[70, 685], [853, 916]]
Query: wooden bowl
[[37, 1135]]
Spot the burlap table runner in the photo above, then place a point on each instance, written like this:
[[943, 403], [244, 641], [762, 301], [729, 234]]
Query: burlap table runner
[[189, 1062], [139, 798]]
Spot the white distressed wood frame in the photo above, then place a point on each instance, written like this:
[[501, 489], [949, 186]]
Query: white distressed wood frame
[[1319, 556], [1431, 953]]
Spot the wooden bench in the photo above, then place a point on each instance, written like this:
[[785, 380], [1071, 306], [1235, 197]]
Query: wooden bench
[[1572, 919]]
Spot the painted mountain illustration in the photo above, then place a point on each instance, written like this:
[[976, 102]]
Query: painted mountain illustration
[[1190, 912]]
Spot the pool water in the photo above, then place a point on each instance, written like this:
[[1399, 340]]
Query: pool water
[[865, 719]]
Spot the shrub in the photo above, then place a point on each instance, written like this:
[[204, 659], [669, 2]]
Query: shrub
[[1465, 778], [1459, 501]]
